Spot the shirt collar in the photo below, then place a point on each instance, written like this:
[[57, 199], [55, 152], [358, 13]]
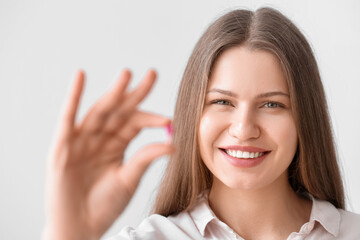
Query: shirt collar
[[326, 214], [322, 211], [202, 213]]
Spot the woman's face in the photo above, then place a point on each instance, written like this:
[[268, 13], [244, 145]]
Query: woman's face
[[247, 133]]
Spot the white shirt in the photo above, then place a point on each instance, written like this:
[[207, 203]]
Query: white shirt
[[326, 222]]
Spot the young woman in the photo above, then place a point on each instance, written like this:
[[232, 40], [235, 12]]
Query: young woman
[[252, 155]]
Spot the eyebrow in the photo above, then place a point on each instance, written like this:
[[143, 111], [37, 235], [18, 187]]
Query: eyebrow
[[261, 95]]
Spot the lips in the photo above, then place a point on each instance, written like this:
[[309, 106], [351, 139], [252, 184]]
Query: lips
[[244, 156], [244, 148]]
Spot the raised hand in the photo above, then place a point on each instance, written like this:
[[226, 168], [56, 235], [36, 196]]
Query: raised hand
[[88, 185]]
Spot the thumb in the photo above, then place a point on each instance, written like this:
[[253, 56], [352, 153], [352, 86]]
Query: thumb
[[138, 164]]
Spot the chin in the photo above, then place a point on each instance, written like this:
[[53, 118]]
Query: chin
[[242, 184]]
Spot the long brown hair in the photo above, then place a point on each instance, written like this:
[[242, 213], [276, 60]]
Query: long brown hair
[[314, 168]]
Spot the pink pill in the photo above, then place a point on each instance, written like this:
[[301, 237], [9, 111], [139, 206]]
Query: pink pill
[[169, 130]]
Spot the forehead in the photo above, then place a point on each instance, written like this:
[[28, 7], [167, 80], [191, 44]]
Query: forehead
[[248, 71]]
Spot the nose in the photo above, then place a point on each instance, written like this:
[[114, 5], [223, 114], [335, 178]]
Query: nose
[[244, 126]]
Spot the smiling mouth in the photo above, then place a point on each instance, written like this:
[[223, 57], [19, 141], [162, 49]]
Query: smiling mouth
[[243, 154]]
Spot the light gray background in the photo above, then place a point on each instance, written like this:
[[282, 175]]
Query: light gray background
[[42, 43]]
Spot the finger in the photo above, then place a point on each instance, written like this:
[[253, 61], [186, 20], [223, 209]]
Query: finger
[[136, 121], [136, 167], [117, 142], [95, 118], [140, 92], [115, 95], [71, 106]]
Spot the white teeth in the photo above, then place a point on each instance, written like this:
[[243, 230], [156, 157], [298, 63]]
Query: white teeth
[[241, 154]]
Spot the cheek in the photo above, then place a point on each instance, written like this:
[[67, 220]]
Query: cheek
[[210, 129], [288, 135], [283, 132], [204, 134]]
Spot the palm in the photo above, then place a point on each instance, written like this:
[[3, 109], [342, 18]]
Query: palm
[[88, 185]]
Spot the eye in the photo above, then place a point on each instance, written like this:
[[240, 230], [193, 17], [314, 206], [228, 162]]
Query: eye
[[221, 102], [272, 105]]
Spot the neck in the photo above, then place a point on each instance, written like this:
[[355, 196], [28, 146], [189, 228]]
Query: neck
[[259, 213]]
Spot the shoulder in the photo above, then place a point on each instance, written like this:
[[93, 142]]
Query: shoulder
[[349, 225], [349, 220], [159, 227], [348, 217]]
